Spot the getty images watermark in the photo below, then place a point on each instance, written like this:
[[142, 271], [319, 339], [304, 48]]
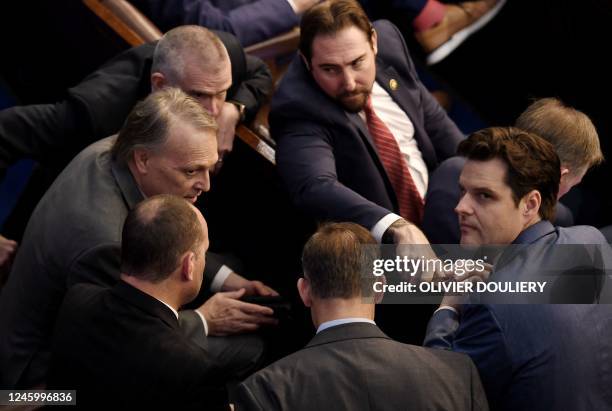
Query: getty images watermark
[[521, 274]]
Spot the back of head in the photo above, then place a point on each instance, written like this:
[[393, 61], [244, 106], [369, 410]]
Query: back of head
[[570, 131], [329, 17], [336, 260], [532, 162], [149, 121], [156, 234], [194, 43]]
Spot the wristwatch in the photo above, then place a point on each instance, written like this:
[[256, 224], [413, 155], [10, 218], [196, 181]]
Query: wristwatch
[[241, 109]]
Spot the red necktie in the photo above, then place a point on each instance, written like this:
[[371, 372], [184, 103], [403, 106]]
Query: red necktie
[[408, 197]]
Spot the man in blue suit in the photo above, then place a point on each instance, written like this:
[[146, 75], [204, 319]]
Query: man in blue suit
[[530, 357], [353, 77]]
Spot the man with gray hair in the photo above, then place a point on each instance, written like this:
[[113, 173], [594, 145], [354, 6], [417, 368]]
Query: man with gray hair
[[167, 146], [211, 67]]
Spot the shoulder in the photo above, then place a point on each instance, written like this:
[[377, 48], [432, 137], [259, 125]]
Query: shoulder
[[582, 234], [391, 45]]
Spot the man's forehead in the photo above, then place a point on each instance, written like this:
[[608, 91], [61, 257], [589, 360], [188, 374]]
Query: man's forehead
[[342, 46], [488, 173]]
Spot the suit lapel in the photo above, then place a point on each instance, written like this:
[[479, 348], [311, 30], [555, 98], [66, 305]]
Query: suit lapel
[[129, 190], [408, 98]]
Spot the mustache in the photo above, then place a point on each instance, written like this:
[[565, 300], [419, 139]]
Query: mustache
[[353, 93]]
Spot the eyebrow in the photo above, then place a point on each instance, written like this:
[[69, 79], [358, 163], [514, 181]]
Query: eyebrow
[[200, 92], [332, 65], [478, 189]]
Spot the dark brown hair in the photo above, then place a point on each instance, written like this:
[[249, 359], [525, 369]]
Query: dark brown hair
[[156, 233], [338, 258], [329, 17], [532, 162]]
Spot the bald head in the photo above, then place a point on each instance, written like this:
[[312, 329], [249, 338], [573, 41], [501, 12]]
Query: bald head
[[156, 235]]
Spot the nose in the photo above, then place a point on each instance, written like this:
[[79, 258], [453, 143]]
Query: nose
[[349, 81], [212, 106], [203, 183], [463, 206]]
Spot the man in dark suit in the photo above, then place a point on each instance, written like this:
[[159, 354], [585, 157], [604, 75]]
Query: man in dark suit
[[530, 357], [251, 21], [351, 364], [358, 134], [53, 134], [167, 146], [124, 345]]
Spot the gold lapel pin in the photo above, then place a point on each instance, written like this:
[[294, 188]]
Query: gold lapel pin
[[393, 84]]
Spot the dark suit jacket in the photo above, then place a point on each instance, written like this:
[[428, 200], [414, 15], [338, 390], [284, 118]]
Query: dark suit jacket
[[252, 22], [326, 156], [537, 357], [74, 236], [98, 106], [356, 367], [122, 346]]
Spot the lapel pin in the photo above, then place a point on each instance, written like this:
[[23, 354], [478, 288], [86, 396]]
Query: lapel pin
[[393, 84]]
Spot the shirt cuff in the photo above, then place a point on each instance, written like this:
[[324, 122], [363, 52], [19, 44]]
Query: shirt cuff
[[382, 225], [220, 278], [432, 14], [203, 322], [447, 307], [293, 6]]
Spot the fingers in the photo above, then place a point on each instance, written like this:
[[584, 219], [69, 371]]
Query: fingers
[[8, 248], [232, 294], [254, 309], [262, 289]]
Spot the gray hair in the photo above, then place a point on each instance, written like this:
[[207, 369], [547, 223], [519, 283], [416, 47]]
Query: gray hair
[[148, 123], [193, 42]]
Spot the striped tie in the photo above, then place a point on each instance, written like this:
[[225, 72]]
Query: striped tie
[[408, 197]]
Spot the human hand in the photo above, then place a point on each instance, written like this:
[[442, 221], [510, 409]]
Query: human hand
[[456, 300], [235, 282], [8, 249], [302, 5], [225, 314], [227, 121]]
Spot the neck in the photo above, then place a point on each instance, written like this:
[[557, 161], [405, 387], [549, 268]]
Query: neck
[[328, 309], [531, 222], [161, 291]]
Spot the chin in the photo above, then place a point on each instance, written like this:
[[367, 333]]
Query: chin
[[469, 240]]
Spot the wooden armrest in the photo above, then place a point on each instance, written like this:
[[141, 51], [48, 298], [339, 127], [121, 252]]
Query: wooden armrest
[[257, 143], [127, 21], [276, 46]]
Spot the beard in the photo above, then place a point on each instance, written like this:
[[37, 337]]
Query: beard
[[354, 101]]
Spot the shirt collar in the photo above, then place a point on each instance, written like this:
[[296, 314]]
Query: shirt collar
[[340, 321]]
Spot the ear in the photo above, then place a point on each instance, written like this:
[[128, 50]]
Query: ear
[[531, 204], [564, 171], [378, 297], [374, 41], [303, 287], [158, 81], [140, 156], [305, 61], [188, 266]]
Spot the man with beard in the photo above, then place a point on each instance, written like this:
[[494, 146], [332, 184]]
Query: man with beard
[[358, 134]]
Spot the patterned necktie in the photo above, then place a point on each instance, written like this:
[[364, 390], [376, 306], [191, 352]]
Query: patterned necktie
[[408, 197]]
